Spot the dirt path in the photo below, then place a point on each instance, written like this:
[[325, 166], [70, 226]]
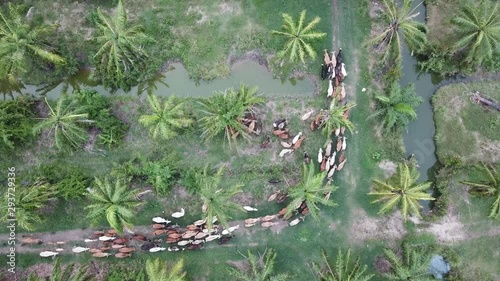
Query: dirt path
[[361, 226], [335, 26], [49, 239], [75, 237]]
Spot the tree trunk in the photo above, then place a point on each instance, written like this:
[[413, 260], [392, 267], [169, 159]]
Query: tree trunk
[[478, 99]]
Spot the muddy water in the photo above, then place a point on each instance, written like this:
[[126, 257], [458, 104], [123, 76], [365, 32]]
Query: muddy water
[[176, 81], [419, 138]]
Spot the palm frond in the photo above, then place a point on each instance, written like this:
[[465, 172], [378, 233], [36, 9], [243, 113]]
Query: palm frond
[[299, 37], [401, 189]]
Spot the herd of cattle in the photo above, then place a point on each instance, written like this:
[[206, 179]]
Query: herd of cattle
[[166, 236]]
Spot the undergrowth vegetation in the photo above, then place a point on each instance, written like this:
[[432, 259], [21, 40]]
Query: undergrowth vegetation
[[130, 158]]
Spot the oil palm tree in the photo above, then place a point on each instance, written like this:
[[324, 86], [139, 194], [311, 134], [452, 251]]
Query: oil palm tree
[[411, 265], [402, 189], [113, 201], [223, 112], [21, 43], [120, 58], [66, 274], [400, 22], [299, 36], [261, 268], [478, 31], [158, 270], [345, 268], [216, 199], [165, 119], [29, 201], [397, 109], [334, 117], [489, 187], [311, 190], [64, 122]]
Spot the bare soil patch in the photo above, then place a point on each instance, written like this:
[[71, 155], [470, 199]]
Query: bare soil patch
[[180, 192], [388, 228], [388, 167], [450, 229], [241, 266], [244, 198], [197, 9], [488, 150], [382, 265], [226, 8], [376, 8]]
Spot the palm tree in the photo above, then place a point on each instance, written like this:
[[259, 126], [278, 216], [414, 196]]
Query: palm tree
[[334, 117], [165, 119], [216, 199], [58, 274], [157, 270], [299, 37], [400, 22], [261, 268], [63, 122], [115, 202], [120, 59], [344, 269], [402, 188], [311, 190], [223, 112], [490, 187], [29, 201], [397, 108], [21, 43], [412, 265], [478, 31]]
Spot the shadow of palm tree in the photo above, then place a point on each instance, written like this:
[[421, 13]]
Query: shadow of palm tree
[[150, 84], [9, 88]]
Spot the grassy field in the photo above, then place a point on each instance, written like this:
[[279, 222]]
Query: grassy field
[[465, 129], [468, 131], [193, 27], [479, 245], [439, 15], [184, 30]]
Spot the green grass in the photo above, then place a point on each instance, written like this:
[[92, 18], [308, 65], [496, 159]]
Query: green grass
[[480, 258], [459, 123], [246, 162], [465, 129], [439, 15], [477, 250], [202, 34]]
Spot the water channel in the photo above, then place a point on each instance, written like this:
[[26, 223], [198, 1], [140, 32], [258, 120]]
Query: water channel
[[176, 81], [419, 138]]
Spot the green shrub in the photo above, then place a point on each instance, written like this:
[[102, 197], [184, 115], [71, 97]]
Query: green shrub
[[112, 130], [442, 185], [129, 170], [189, 179], [161, 174], [122, 273], [439, 61], [427, 245], [68, 180], [16, 122]]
